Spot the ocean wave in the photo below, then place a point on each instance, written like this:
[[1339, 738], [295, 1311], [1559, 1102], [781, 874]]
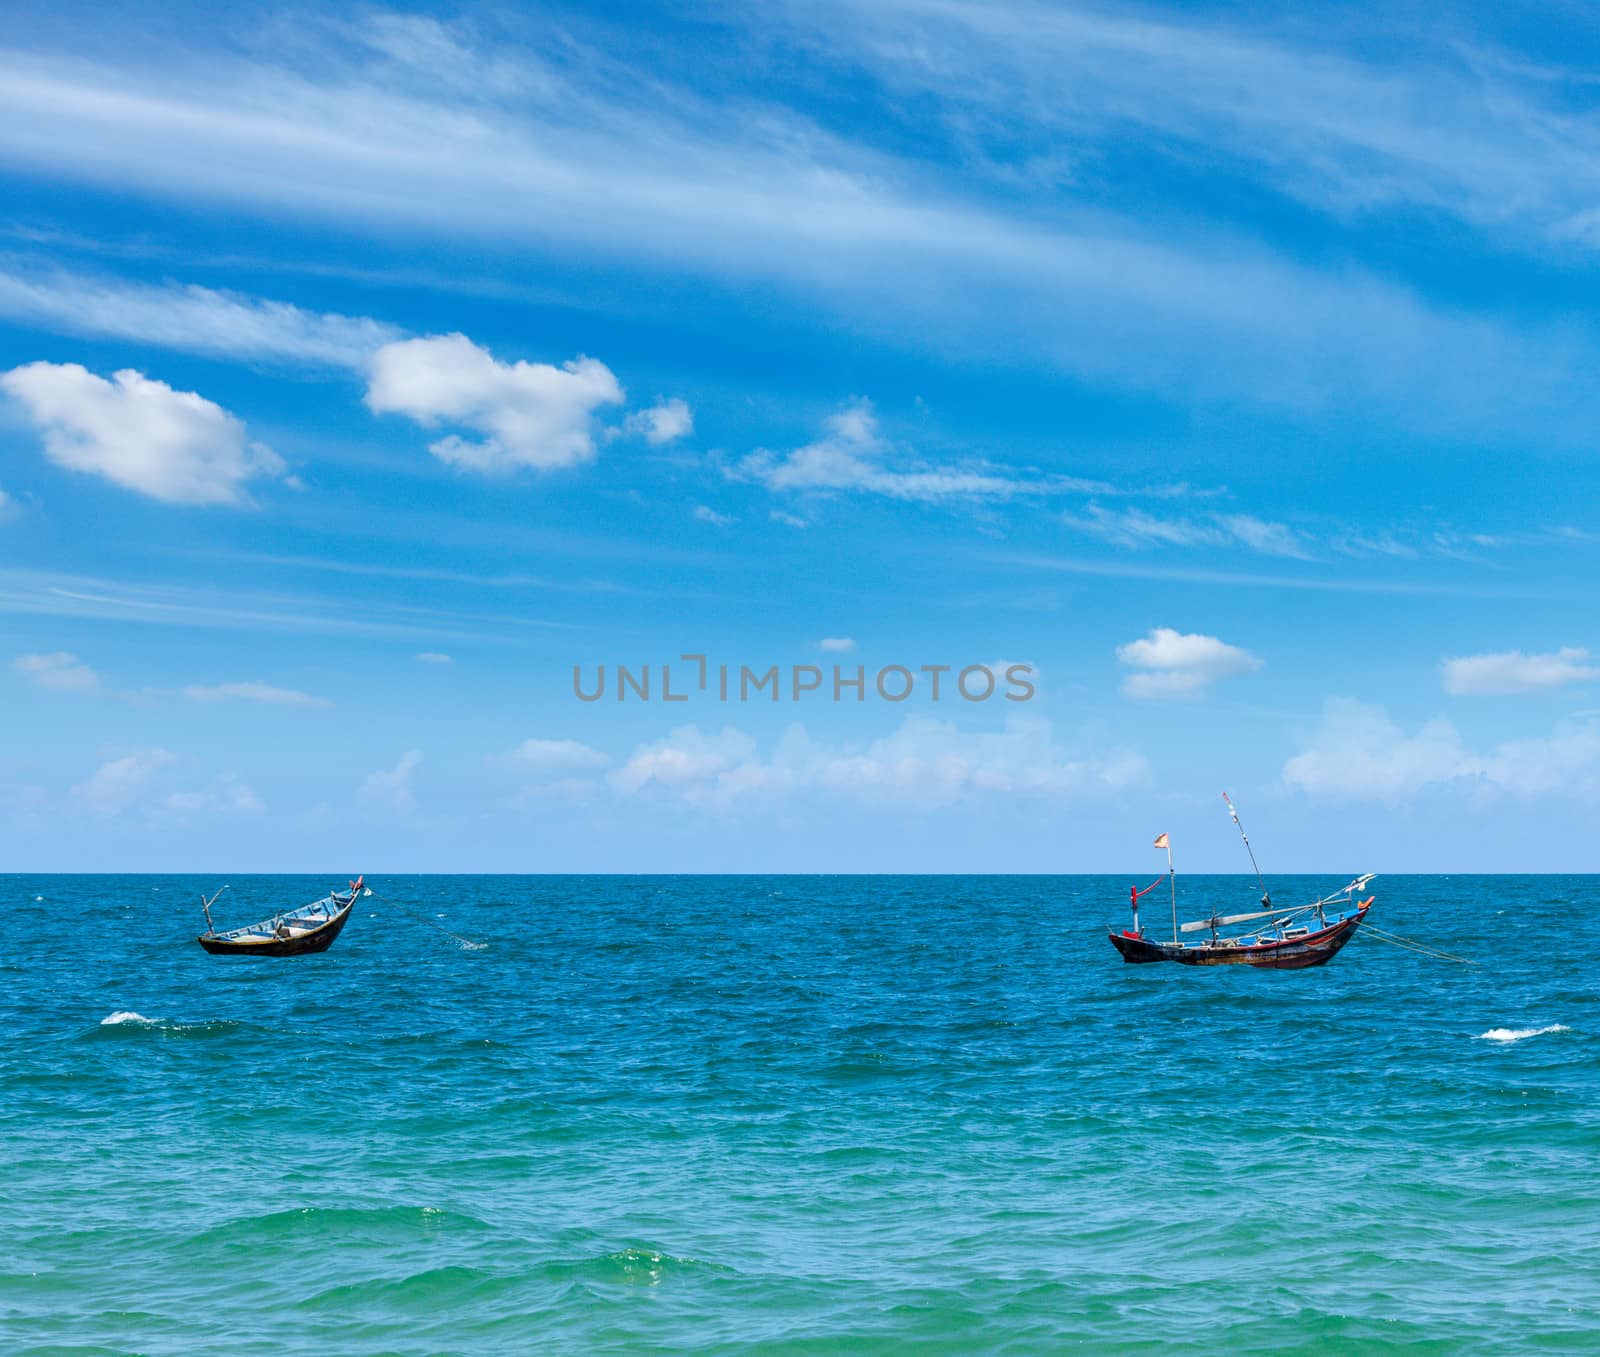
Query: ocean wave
[[127, 1023], [339, 1225], [633, 1266], [1508, 1034]]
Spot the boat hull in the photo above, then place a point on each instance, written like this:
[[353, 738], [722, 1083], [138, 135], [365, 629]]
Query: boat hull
[[317, 939], [1288, 954]]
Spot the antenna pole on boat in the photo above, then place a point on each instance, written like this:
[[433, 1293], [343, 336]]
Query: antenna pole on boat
[[1266, 898], [1172, 883], [206, 905]]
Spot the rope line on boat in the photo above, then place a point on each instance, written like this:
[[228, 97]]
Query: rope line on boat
[[467, 943], [1412, 945]]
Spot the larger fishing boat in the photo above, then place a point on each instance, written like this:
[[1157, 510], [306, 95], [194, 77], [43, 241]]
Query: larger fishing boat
[[1270, 938]]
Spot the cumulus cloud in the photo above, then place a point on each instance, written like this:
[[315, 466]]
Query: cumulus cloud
[[925, 764], [853, 454], [253, 692], [58, 670], [1512, 671], [1136, 528], [118, 783], [662, 423], [528, 414], [390, 788], [1357, 752], [1174, 664], [173, 446], [703, 513]]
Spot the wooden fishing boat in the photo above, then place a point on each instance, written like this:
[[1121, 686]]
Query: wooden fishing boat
[[1279, 940], [296, 932], [1309, 936]]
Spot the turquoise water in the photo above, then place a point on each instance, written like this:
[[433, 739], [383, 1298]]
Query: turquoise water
[[792, 1114]]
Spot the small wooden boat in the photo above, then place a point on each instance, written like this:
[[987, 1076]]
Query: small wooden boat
[[296, 932], [1281, 939]]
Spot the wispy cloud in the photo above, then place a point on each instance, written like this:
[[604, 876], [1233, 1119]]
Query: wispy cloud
[[187, 318], [854, 455], [390, 788], [704, 513], [1442, 124], [59, 670], [253, 692], [1514, 671], [1135, 527], [589, 157], [434, 657], [120, 782], [226, 796]]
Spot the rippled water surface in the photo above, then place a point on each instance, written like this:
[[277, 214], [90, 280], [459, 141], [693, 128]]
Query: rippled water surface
[[792, 1114]]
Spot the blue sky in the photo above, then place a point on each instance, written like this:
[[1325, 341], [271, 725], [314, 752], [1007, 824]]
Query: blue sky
[[363, 371]]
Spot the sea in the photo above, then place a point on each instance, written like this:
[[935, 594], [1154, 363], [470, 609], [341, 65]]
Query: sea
[[793, 1114]]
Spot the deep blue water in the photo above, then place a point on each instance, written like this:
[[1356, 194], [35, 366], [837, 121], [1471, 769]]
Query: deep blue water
[[792, 1114]]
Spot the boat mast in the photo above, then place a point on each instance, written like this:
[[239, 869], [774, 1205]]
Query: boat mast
[[1172, 883], [1266, 898], [206, 905]]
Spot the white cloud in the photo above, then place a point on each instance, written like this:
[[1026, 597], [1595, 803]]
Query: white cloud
[[837, 643], [554, 770], [662, 423], [253, 692], [390, 788], [434, 657], [852, 455], [173, 446], [1137, 528], [1175, 664], [1457, 127], [586, 157], [530, 414], [119, 783], [788, 520], [226, 796], [190, 319], [1512, 671], [688, 758], [703, 513], [1358, 753], [58, 670], [922, 765], [547, 757]]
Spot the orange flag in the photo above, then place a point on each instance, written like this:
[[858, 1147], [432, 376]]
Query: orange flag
[[1162, 842]]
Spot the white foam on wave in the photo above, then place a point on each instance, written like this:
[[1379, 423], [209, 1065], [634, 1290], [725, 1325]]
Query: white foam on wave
[[122, 1016], [1520, 1033]]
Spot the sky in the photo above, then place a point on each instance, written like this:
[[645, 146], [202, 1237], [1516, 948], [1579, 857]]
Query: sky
[[370, 378]]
